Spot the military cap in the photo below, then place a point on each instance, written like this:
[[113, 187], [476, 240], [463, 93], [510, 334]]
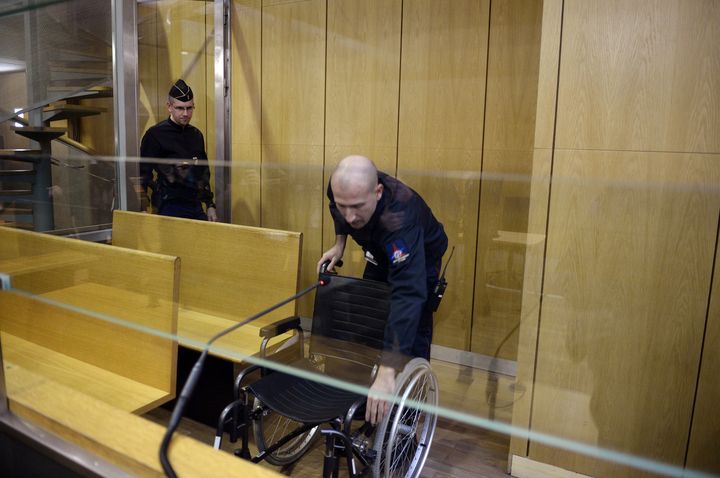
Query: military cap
[[181, 91]]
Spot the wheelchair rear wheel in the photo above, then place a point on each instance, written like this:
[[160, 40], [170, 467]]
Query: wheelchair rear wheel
[[403, 438], [270, 426]]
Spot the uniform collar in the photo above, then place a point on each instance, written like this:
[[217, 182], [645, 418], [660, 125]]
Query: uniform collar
[[175, 125]]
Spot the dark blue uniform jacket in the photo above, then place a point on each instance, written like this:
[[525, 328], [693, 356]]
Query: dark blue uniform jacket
[[407, 243]]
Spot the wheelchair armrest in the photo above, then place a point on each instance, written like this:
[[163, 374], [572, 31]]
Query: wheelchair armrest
[[280, 327]]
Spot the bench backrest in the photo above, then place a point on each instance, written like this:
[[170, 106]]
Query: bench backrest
[[228, 270], [93, 302]]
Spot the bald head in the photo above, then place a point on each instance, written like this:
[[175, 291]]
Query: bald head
[[354, 173], [356, 190]]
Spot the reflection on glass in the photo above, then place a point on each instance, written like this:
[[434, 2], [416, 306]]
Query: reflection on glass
[[579, 329]]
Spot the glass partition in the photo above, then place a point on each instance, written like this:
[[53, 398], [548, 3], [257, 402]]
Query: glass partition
[[56, 114], [578, 332]]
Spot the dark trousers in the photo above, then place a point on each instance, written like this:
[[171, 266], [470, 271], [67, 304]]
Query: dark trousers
[[423, 336], [183, 209]]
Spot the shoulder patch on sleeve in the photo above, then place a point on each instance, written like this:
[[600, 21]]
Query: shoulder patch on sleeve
[[397, 251]]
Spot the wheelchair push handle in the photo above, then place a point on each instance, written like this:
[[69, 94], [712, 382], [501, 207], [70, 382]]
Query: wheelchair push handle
[[325, 275], [326, 264]]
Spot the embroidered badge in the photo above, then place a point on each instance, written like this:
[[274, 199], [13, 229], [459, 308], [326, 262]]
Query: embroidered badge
[[397, 251]]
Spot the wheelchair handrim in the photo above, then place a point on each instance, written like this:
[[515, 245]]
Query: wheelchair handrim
[[387, 448], [426, 435]]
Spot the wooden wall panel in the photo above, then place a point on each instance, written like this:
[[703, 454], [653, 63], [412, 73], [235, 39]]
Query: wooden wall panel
[[550, 37], [632, 235], [513, 60], [178, 32], [246, 122], [624, 302], [512, 78], [705, 433], [187, 39], [291, 124], [440, 135], [640, 75], [502, 244], [361, 112], [529, 326], [170, 47], [293, 89], [551, 27]]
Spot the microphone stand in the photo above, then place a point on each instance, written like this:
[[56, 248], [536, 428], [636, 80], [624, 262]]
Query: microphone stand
[[194, 375]]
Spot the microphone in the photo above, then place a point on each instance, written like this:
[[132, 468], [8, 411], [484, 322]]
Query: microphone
[[194, 375]]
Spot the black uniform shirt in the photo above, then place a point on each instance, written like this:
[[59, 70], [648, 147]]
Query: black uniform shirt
[[170, 140], [407, 243]]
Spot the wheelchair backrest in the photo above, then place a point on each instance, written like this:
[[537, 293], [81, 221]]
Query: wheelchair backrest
[[349, 320]]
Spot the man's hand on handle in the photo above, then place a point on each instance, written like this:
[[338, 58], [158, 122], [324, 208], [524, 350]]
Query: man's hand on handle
[[333, 255]]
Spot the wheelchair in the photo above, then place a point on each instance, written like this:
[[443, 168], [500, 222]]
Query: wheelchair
[[287, 412]]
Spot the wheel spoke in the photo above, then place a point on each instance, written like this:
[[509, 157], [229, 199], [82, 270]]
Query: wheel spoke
[[270, 427]]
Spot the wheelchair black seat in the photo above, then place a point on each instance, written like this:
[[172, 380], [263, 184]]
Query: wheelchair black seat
[[302, 399]]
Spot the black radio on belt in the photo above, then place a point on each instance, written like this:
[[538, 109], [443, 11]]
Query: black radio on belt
[[439, 288], [437, 293]]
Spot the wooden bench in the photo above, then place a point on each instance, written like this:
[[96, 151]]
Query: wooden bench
[[229, 273], [123, 439], [87, 336], [81, 315]]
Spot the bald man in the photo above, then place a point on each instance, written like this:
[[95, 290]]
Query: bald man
[[403, 245]]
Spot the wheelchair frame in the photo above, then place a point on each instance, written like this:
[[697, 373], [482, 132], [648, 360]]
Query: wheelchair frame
[[403, 428], [398, 447]]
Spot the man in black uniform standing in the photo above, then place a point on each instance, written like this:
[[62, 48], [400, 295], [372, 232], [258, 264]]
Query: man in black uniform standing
[[404, 245], [183, 185]]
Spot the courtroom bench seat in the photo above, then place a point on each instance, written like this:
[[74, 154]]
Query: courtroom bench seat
[[121, 392], [77, 313], [71, 346], [228, 273], [121, 438]]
